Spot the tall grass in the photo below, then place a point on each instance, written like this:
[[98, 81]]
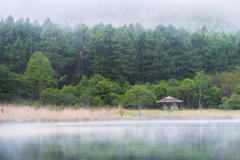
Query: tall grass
[[11, 112], [44, 113], [185, 114]]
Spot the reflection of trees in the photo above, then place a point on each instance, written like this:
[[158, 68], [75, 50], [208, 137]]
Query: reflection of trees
[[138, 142]]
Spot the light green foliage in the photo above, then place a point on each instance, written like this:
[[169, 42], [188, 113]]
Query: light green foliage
[[105, 89], [237, 89], [174, 88], [160, 90], [49, 95], [37, 104], [201, 81], [139, 96], [209, 94], [86, 97], [97, 101], [75, 107], [126, 87], [22, 81], [225, 104], [234, 101], [69, 89], [58, 97], [212, 96], [227, 82], [188, 88], [40, 73], [118, 100], [84, 85]]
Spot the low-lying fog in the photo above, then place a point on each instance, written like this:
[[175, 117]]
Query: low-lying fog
[[150, 13], [217, 139]]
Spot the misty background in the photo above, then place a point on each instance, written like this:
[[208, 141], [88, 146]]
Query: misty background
[[190, 14]]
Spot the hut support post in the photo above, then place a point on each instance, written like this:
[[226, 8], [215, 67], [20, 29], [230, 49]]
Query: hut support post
[[170, 109]]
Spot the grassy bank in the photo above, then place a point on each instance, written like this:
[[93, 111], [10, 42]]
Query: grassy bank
[[30, 114]]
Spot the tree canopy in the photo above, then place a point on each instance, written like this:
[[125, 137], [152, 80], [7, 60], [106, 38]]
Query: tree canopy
[[99, 65]]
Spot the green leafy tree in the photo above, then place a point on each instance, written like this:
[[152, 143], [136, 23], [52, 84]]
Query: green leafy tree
[[139, 95], [209, 94], [234, 101], [86, 97], [97, 101], [160, 89], [105, 89], [49, 96], [40, 73], [225, 104], [201, 81], [227, 82], [174, 88], [188, 88]]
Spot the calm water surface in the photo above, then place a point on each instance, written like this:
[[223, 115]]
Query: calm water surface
[[112, 140]]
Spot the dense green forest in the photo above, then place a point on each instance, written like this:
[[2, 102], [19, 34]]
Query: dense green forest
[[104, 65]]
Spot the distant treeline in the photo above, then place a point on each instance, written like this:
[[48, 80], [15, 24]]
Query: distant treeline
[[127, 55]]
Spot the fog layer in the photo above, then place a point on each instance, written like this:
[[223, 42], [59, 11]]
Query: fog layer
[[187, 13]]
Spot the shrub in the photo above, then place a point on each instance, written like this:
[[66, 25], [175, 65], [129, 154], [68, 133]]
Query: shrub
[[37, 104], [55, 97], [75, 107]]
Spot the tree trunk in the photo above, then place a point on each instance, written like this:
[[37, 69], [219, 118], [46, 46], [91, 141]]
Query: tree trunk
[[188, 102], [40, 91], [183, 99], [143, 68], [31, 46], [139, 108], [101, 68], [18, 61], [199, 98]]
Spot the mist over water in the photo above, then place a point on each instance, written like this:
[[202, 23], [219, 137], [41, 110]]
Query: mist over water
[[124, 139], [181, 13], [121, 140]]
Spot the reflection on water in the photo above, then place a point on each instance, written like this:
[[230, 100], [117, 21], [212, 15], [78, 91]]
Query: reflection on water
[[121, 140]]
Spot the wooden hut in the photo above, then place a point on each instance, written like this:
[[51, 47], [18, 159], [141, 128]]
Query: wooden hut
[[170, 100]]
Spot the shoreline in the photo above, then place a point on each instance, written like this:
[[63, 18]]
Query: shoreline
[[18, 114]]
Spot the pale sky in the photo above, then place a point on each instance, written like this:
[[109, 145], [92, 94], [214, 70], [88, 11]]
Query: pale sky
[[118, 12]]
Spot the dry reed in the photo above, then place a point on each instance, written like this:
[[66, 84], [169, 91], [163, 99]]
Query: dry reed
[[190, 114], [28, 113], [11, 112]]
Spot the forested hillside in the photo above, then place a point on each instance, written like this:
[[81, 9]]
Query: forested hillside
[[97, 65]]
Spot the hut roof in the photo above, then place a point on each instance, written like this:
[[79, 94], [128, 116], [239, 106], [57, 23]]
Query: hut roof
[[169, 99]]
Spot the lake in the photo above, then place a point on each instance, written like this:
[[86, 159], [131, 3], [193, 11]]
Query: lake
[[111, 140]]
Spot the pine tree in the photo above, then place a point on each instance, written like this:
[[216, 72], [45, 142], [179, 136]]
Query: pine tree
[[123, 56], [16, 57], [97, 50]]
